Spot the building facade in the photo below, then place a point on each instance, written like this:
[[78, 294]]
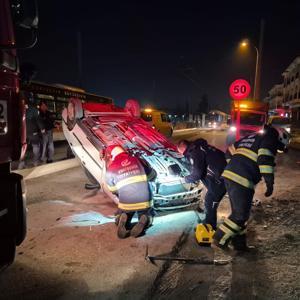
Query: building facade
[[291, 90], [287, 94], [275, 97]]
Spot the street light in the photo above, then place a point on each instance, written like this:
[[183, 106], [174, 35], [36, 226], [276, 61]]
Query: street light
[[244, 44]]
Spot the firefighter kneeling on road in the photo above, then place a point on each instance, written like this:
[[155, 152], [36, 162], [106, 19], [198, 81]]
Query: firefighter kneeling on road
[[249, 159], [208, 163], [126, 177]]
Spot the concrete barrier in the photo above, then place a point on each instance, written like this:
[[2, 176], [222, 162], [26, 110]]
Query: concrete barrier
[[48, 169]]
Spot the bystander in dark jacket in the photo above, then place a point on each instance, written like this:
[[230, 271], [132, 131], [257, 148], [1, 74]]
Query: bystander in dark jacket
[[48, 120]]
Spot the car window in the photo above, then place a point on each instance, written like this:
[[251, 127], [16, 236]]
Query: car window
[[164, 118]]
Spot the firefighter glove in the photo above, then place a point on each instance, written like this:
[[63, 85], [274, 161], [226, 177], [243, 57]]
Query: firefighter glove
[[269, 190]]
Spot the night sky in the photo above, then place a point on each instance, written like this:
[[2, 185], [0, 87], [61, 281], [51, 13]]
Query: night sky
[[163, 52]]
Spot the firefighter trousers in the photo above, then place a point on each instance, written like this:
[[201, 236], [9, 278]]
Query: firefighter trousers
[[215, 192], [233, 228], [240, 201]]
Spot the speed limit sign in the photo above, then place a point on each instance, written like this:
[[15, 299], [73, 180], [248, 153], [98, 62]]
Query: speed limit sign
[[239, 89]]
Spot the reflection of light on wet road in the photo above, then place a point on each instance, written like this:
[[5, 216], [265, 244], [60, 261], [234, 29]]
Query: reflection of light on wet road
[[90, 218], [161, 224], [173, 222], [61, 202]]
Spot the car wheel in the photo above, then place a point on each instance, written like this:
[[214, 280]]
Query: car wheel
[[7, 251], [133, 107], [21, 212], [75, 112]]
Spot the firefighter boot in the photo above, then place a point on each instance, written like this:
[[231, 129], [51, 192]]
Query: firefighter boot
[[225, 233], [239, 243], [140, 227], [122, 231]]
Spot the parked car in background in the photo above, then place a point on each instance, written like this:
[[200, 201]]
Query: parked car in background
[[279, 121], [159, 120]]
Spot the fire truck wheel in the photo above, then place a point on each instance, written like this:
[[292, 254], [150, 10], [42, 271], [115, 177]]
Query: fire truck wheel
[[21, 211], [75, 112], [7, 251], [133, 107]]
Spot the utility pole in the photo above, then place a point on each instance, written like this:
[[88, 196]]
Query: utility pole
[[257, 82], [79, 58]]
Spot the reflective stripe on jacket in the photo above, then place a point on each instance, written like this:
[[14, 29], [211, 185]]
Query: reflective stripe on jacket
[[126, 177], [251, 158]]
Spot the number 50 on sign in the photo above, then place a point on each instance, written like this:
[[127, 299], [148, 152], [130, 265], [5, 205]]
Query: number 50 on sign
[[239, 89]]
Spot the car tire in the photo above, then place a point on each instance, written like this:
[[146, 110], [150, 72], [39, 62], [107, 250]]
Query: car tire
[[133, 107], [74, 112], [7, 251], [21, 213]]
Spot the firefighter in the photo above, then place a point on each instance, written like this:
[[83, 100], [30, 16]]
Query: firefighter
[[208, 163], [249, 159], [126, 177]]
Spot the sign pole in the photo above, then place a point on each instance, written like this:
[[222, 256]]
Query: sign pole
[[238, 122], [239, 90]]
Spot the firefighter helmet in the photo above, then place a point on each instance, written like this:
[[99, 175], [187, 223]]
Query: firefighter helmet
[[113, 151]]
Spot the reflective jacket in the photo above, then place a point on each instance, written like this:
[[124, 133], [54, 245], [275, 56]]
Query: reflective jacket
[[126, 177], [251, 158], [205, 159]]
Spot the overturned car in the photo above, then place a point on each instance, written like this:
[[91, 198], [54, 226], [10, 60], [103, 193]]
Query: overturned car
[[91, 127]]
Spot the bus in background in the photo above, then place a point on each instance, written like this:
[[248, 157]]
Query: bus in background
[[159, 120], [57, 97], [217, 119], [253, 117]]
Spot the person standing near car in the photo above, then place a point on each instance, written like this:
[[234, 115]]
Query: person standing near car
[[48, 120], [207, 164], [249, 160], [34, 129], [126, 177]]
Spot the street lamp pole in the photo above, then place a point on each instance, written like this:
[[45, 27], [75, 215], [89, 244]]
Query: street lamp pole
[[245, 43], [257, 75], [259, 58]]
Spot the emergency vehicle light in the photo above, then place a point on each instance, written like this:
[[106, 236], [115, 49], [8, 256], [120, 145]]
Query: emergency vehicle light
[[243, 105], [148, 110]]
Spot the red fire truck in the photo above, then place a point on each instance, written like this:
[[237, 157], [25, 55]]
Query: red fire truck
[[18, 24], [247, 116]]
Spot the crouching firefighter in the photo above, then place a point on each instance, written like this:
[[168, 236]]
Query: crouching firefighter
[[249, 159], [207, 163], [126, 177]]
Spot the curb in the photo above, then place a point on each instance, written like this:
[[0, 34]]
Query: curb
[[190, 129], [200, 129], [48, 169]]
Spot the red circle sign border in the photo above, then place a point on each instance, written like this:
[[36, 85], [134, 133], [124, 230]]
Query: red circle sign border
[[239, 89]]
